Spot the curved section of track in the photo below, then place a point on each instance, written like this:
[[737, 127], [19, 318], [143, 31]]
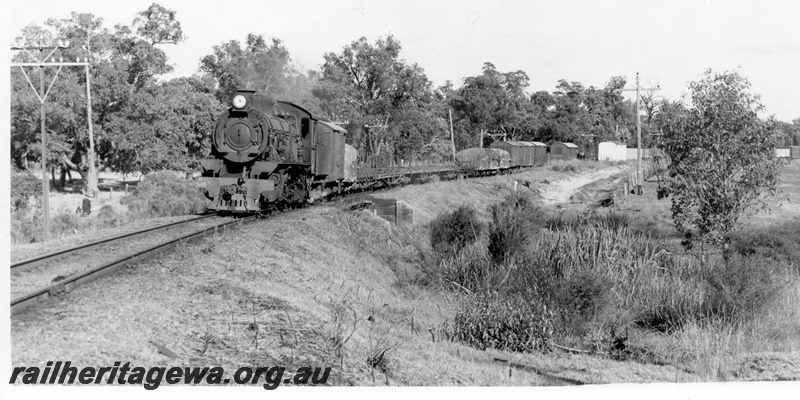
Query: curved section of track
[[64, 252], [70, 283]]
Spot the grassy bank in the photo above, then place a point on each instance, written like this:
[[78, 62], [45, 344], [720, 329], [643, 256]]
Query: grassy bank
[[530, 279]]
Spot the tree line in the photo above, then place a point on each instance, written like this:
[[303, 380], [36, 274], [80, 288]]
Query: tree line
[[388, 106]]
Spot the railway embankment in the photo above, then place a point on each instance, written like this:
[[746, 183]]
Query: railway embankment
[[316, 286], [320, 286]]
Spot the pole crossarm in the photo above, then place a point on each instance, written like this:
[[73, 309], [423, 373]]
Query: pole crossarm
[[43, 97], [27, 51], [50, 64], [41, 94]]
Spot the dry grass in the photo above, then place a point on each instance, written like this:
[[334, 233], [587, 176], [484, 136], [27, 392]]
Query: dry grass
[[719, 350], [317, 286], [604, 277]]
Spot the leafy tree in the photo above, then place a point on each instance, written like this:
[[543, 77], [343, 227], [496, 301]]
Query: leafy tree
[[378, 95], [124, 90], [796, 138], [166, 126], [494, 102], [789, 133], [585, 116], [158, 24], [264, 68], [722, 158]]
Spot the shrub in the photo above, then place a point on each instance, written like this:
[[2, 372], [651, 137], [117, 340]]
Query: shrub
[[740, 287], [108, 216], [26, 227], [727, 291], [65, 223], [780, 243], [580, 298], [614, 221], [566, 165], [594, 274], [107, 212], [512, 323], [24, 186], [451, 232], [514, 220], [470, 268], [163, 194]]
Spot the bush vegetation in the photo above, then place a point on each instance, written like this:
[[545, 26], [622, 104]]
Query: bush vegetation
[[514, 221], [505, 323], [450, 232], [597, 276], [161, 194], [164, 194], [26, 227], [26, 186]]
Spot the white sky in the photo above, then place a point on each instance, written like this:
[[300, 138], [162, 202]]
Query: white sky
[[669, 42]]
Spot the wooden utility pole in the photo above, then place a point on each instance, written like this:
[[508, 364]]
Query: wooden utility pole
[[41, 94], [452, 140], [92, 178], [639, 176]]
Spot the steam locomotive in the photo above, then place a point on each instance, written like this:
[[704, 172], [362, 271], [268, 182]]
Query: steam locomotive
[[267, 153]]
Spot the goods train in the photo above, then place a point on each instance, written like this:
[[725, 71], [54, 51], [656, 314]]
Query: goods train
[[268, 154]]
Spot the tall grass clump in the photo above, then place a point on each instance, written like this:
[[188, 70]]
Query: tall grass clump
[[591, 270], [514, 221], [165, 193], [451, 232], [511, 323]]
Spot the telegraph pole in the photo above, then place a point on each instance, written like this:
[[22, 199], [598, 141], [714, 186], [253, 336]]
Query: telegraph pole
[[41, 94], [92, 178], [639, 176], [452, 140]]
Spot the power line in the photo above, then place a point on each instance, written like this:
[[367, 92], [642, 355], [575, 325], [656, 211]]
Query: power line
[[41, 95]]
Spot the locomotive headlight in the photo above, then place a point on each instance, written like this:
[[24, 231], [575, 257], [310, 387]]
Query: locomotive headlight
[[239, 101]]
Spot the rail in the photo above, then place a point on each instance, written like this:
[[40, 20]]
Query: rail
[[60, 253], [23, 302]]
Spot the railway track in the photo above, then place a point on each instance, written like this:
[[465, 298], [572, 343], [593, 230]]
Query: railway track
[[40, 259], [52, 274], [51, 281]]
